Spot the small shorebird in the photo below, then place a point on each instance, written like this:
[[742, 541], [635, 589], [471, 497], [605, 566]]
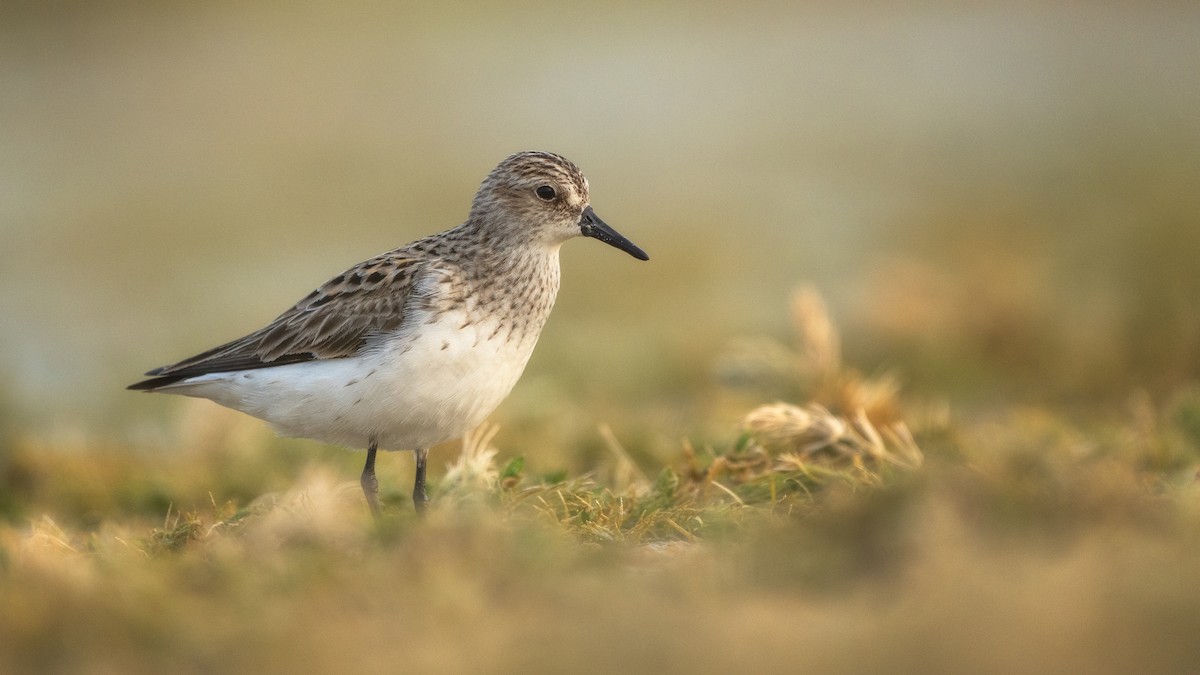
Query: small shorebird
[[418, 345]]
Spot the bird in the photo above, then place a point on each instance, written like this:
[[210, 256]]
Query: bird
[[418, 345]]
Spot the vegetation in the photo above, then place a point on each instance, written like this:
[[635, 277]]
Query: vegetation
[[975, 450], [827, 533]]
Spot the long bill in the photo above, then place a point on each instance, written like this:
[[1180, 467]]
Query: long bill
[[591, 226]]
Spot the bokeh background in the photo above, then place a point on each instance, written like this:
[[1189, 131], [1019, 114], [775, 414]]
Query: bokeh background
[[998, 201]]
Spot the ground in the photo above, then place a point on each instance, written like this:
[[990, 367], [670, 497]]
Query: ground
[[827, 534]]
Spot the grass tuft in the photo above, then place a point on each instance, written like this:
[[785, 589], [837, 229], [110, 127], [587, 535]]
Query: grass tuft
[[822, 524]]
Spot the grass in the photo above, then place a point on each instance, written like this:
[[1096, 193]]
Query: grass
[[987, 463], [851, 529]]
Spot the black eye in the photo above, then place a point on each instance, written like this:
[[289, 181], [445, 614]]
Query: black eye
[[546, 193]]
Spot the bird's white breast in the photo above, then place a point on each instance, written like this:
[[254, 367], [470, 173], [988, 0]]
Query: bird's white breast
[[420, 388]]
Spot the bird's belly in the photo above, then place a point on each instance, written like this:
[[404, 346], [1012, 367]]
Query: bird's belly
[[428, 387], [446, 380]]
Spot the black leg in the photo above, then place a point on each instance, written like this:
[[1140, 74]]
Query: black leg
[[420, 497], [370, 486]]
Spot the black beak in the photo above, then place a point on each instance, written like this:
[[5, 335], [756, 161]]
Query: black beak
[[591, 226]]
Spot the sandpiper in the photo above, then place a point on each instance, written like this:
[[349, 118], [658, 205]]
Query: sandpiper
[[418, 345]]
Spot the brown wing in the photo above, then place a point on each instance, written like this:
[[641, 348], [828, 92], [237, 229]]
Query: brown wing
[[332, 322]]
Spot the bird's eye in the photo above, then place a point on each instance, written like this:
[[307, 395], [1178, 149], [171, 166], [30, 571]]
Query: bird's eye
[[545, 193]]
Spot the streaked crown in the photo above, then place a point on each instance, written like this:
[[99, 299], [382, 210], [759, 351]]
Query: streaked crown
[[538, 194]]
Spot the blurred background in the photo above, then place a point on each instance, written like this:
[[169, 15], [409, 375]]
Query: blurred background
[[998, 203]]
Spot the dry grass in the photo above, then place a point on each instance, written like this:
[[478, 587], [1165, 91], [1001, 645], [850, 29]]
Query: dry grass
[[839, 540], [987, 463]]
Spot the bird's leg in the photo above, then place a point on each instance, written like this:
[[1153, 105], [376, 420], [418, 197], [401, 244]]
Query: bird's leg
[[370, 485], [420, 497]]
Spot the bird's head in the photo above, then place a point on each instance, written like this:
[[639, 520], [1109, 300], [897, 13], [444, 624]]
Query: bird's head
[[542, 197]]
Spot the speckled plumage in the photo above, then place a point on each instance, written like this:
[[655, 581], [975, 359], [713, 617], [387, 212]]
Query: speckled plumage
[[418, 345]]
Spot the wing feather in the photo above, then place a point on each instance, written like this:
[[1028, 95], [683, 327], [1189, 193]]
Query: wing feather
[[335, 321]]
